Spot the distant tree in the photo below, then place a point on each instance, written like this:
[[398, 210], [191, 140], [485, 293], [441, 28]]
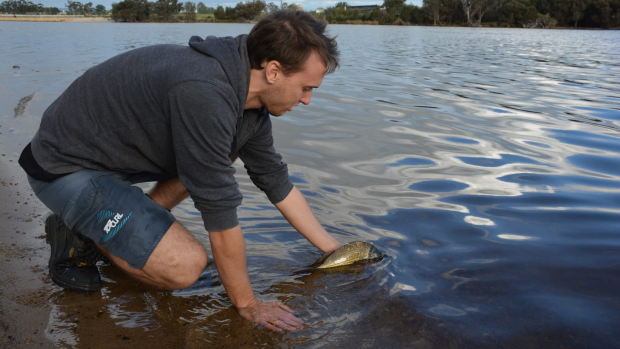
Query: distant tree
[[341, 5], [190, 11], [23, 6], [130, 11], [394, 10], [601, 13], [88, 9], [560, 9], [391, 5], [469, 9], [52, 10], [219, 13], [517, 14], [230, 13], [543, 22], [271, 7], [481, 7], [99, 9], [6, 7], [577, 8], [165, 9], [204, 8], [433, 8], [450, 9], [253, 9], [75, 7], [413, 14]]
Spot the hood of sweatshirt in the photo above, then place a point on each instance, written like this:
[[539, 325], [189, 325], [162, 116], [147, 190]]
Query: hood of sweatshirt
[[232, 54]]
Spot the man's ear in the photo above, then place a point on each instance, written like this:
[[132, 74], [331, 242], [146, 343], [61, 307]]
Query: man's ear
[[273, 71]]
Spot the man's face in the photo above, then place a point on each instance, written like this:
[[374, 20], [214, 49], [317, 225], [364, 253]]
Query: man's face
[[288, 91]]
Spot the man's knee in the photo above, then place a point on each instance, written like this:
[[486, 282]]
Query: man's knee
[[189, 270], [184, 268], [176, 262]]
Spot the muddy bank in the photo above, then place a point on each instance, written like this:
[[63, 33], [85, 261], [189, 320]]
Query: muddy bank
[[25, 287], [33, 310]]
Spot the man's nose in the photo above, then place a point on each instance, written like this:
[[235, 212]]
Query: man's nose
[[305, 99]]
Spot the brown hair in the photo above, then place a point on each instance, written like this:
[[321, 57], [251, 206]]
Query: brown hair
[[289, 37]]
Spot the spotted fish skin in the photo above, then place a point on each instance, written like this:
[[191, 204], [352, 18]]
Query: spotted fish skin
[[348, 254]]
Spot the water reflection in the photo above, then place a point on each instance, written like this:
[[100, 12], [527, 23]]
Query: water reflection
[[484, 162]]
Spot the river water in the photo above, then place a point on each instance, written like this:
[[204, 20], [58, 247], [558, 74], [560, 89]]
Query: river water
[[484, 162]]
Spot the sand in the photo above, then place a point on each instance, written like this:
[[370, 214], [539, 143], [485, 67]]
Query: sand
[[25, 288]]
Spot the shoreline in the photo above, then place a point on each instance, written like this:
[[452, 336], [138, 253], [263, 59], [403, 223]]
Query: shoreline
[[24, 18]]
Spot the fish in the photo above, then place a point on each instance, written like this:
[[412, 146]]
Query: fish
[[349, 254]]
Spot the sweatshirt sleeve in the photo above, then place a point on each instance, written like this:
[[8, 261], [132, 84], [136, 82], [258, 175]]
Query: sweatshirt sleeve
[[203, 121], [264, 165]]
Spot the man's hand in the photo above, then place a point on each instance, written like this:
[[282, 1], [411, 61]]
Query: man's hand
[[228, 249], [273, 315]]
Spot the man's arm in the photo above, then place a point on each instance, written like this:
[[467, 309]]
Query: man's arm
[[296, 210], [228, 247]]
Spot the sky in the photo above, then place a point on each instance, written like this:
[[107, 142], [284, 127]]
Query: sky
[[306, 4]]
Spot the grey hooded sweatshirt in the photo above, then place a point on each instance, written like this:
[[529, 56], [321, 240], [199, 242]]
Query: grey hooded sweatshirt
[[172, 110]]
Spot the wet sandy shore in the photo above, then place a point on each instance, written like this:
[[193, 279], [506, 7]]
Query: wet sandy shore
[[25, 288], [34, 312]]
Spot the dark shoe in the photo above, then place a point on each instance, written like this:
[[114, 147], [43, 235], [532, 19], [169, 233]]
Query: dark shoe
[[73, 261]]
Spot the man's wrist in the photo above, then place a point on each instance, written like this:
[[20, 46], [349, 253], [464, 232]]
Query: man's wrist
[[246, 303], [333, 246]]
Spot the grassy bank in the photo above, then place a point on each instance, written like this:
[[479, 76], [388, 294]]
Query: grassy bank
[[36, 19], [39, 18]]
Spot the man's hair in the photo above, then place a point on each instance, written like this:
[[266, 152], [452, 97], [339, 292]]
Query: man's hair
[[290, 37]]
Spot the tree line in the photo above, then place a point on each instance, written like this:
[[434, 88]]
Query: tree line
[[87, 9], [503, 13], [75, 8], [173, 10], [22, 7], [250, 10]]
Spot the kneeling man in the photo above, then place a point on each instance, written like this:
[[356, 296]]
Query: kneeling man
[[180, 116]]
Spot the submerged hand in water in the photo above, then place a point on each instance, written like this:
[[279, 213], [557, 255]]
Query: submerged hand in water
[[273, 315], [349, 254]]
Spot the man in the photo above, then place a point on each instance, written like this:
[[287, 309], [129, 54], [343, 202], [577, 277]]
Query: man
[[180, 116]]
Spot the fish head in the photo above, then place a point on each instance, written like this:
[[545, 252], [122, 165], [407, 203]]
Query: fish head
[[374, 253]]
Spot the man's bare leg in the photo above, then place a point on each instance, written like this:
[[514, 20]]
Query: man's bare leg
[[179, 258], [175, 263], [169, 193]]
